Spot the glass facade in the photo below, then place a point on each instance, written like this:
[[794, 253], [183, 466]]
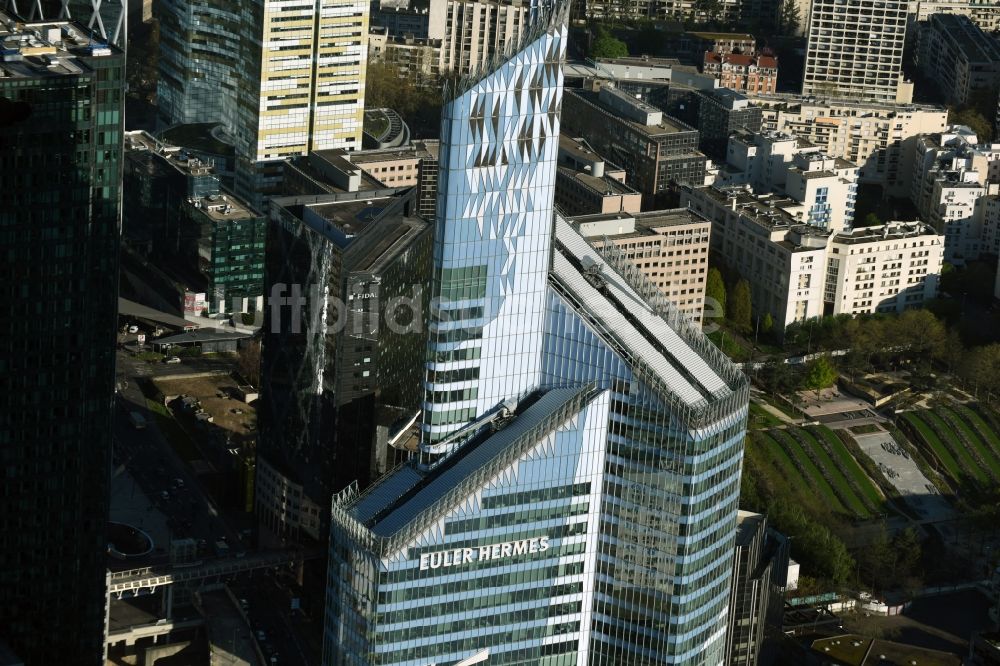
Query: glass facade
[[199, 61], [496, 185], [60, 175], [575, 497]]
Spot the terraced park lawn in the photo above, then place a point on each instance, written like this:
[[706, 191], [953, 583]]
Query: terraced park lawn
[[937, 447], [814, 467], [964, 439], [850, 466], [974, 434]]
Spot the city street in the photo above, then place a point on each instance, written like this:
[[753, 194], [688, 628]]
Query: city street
[[156, 467], [269, 610]]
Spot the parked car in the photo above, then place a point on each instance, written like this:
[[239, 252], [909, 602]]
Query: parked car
[[133, 329], [172, 360]]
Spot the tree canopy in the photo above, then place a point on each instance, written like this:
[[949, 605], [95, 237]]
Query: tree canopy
[[739, 307], [607, 45]]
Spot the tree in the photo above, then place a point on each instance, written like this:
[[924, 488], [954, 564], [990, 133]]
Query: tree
[[871, 220], [767, 324], [820, 374], [715, 294], [789, 18], [249, 362], [739, 307], [607, 45]]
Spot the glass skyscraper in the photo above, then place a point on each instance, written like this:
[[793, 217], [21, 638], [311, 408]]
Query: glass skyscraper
[[574, 499], [60, 175]]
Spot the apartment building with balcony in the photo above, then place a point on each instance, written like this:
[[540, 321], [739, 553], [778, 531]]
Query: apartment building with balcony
[[872, 135]]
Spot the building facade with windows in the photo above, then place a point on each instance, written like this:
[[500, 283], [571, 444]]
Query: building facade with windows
[[798, 270], [855, 50], [302, 86], [656, 151], [669, 247], [958, 56], [60, 187], [199, 63], [872, 135], [574, 497]]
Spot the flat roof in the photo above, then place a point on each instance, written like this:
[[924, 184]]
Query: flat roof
[[140, 144], [42, 49], [718, 36], [416, 150], [857, 650], [391, 239], [668, 125], [646, 223], [603, 186], [207, 334], [888, 231], [225, 208]]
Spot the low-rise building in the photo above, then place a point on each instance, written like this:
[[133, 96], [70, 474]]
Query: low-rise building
[[869, 134], [668, 247], [587, 183], [339, 171], [890, 268], [824, 186], [798, 271], [655, 150], [958, 56], [743, 72], [953, 175]]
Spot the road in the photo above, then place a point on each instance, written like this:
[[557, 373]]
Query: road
[[155, 465], [269, 610]]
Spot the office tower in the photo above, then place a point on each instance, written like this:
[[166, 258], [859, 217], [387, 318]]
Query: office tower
[[60, 161], [656, 150], [855, 50], [302, 86], [199, 65], [759, 577], [330, 362], [574, 497]]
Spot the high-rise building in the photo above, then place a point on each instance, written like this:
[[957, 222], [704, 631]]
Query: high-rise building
[[199, 64], [472, 32], [574, 497], [302, 86], [330, 359], [855, 50], [61, 100]]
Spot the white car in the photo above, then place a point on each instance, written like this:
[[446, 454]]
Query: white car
[[133, 329], [172, 360]]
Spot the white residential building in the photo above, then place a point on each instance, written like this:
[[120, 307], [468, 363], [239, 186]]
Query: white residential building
[[855, 50], [824, 186], [798, 271], [984, 13], [869, 134], [783, 259], [472, 32], [883, 269], [952, 176]]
